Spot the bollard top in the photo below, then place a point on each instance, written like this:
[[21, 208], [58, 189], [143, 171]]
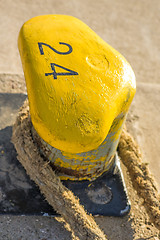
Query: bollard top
[[77, 84]]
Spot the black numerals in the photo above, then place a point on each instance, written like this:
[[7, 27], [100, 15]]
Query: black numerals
[[53, 49], [55, 74], [53, 65]]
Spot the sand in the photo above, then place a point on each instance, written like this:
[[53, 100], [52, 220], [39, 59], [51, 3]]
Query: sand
[[133, 29]]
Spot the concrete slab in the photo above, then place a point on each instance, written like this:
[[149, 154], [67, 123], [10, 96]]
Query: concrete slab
[[32, 228]]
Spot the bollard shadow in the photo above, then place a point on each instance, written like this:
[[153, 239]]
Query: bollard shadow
[[9, 106], [18, 194], [12, 100]]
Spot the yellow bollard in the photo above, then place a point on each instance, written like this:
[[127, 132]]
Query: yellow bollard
[[79, 91]]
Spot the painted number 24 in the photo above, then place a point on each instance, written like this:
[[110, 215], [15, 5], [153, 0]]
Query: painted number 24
[[53, 65]]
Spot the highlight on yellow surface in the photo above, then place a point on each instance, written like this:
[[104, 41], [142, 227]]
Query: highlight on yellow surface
[[79, 88]]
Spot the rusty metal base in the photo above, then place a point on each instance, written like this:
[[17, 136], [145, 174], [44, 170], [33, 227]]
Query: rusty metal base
[[106, 195], [19, 195]]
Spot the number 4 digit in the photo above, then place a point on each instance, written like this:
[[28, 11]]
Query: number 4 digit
[[55, 74]]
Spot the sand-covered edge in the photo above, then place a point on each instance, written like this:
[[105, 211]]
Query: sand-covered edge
[[82, 225]]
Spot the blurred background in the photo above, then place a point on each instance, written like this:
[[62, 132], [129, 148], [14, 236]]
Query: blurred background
[[131, 27]]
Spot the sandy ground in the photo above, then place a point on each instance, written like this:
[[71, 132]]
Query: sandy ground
[[132, 27]]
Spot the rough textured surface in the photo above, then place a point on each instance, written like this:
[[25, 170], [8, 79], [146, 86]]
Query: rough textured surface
[[72, 79], [132, 27], [142, 179], [64, 202], [135, 226], [143, 123]]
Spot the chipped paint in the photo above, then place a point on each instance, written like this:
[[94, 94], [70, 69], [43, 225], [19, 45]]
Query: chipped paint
[[88, 165], [79, 91]]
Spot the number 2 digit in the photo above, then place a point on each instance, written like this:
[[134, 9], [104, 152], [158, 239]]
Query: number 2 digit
[[53, 49]]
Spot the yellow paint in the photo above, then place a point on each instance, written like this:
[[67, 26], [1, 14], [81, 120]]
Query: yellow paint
[[73, 113], [89, 165]]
